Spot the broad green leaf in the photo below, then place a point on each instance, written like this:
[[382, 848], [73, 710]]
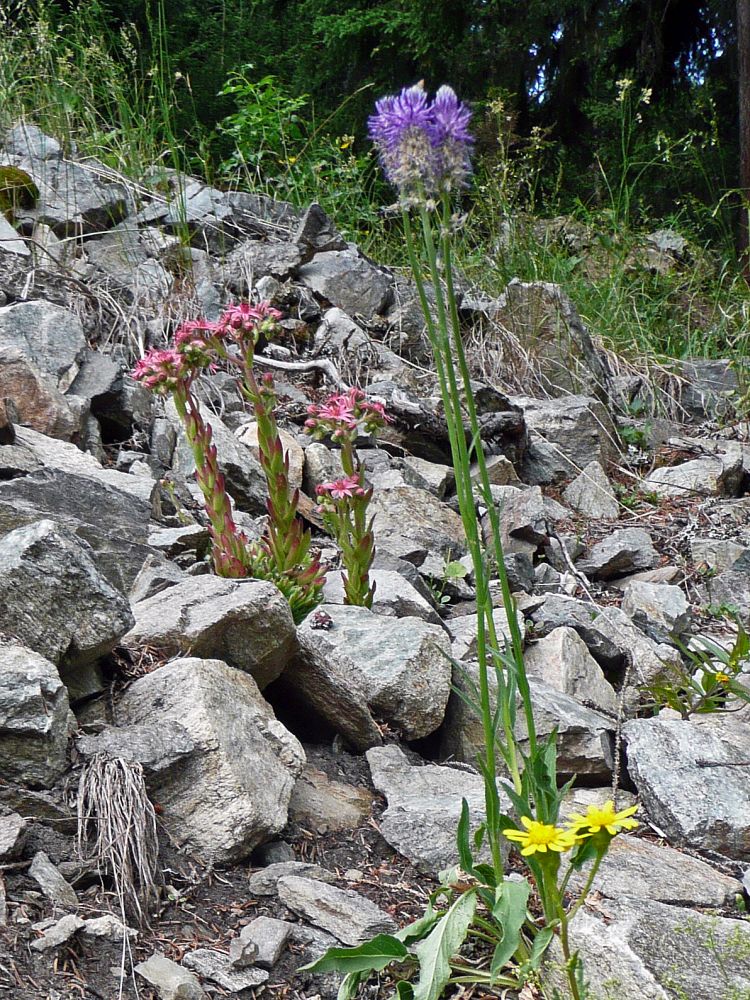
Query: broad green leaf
[[404, 991], [542, 941], [349, 985], [510, 912], [435, 952], [419, 927], [372, 956]]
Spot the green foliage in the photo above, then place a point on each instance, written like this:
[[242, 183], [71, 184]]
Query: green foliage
[[710, 681], [17, 190]]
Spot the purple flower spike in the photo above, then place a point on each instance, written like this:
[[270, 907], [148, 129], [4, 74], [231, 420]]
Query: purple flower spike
[[424, 146]]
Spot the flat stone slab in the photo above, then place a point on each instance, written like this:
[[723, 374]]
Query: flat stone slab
[[640, 868], [216, 967], [346, 914]]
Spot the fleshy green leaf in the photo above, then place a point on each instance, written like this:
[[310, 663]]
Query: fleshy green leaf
[[435, 952], [419, 927], [372, 956], [510, 912], [349, 985], [404, 991]]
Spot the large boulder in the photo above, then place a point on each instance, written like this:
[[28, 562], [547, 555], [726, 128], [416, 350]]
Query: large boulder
[[50, 337], [692, 777], [232, 793], [35, 718], [113, 522], [55, 600], [349, 281], [414, 525], [34, 397], [397, 667], [635, 949], [247, 623], [424, 806]]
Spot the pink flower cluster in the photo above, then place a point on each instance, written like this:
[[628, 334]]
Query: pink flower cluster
[[199, 343], [345, 415], [348, 486], [162, 371]]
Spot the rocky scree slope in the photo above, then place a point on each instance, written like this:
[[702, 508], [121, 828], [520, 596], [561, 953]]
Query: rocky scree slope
[[267, 747]]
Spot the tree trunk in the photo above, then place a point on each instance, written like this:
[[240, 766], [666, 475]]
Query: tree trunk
[[743, 60]]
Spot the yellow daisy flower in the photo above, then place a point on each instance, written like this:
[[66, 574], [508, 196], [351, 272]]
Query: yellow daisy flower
[[722, 678], [602, 818], [541, 837]]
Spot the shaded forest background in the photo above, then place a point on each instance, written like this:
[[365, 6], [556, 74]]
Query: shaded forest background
[[621, 113]]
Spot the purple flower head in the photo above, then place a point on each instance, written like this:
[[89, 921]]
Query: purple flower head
[[451, 118], [424, 146]]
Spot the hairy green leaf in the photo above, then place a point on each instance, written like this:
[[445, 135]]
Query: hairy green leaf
[[371, 956], [435, 952]]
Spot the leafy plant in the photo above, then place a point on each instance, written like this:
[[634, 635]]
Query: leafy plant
[[424, 149], [283, 555], [710, 680]]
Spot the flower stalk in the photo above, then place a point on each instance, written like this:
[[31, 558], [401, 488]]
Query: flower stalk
[[283, 555]]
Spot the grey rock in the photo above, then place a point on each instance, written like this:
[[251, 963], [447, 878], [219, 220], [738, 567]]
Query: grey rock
[[348, 281], [562, 660], [717, 553], [242, 951], [322, 683], [176, 541], [424, 806], [620, 645], [73, 197], [625, 551], [415, 526], [13, 832], [58, 934], [97, 375], [346, 914], [10, 241], [353, 350], [50, 337], [156, 575], [395, 597], [659, 609], [522, 515], [591, 494], [566, 435], [732, 587], [218, 968], [640, 868], [692, 777], [247, 623], [35, 399], [323, 805], [265, 881], [158, 748], [232, 793], [660, 575], [52, 883], [463, 631], [108, 928], [112, 522], [244, 477], [254, 259], [647, 950], [170, 980], [707, 387], [500, 470], [585, 742], [316, 233], [26, 140], [542, 317], [55, 600], [268, 936], [710, 475], [437, 479], [397, 667]]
